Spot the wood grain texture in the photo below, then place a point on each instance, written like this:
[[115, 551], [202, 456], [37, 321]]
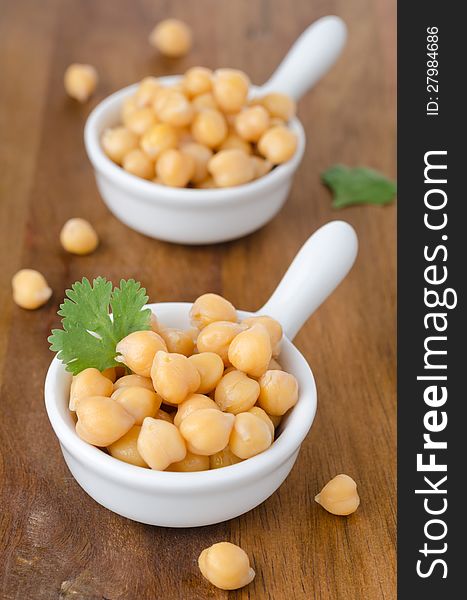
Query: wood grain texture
[[55, 541]]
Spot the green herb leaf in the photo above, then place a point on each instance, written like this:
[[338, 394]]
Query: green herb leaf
[[359, 185], [89, 336]]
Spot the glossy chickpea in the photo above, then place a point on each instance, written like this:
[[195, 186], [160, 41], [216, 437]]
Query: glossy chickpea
[[160, 444], [230, 88], [30, 289], [138, 401], [209, 128], [175, 168], [89, 382], [236, 392], [273, 327], [171, 37], [278, 144], [279, 105], [174, 377], [192, 403], [138, 349], [139, 164], [80, 81], [101, 420], [164, 416], [217, 337], [126, 449], [226, 566], [117, 142], [261, 166], [275, 420], [278, 392], [78, 236], [250, 435], [132, 381], [210, 367], [224, 458], [209, 308], [234, 142], [177, 340], [173, 107], [259, 412], [154, 324], [207, 430], [203, 101], [196, 81], [251, 123], [111, 374], [250, 351], [147, 91], [128, 106], [201, 155], [158, 139], [206, 184], [231, 167], [140, 120], [190, 464], [339, 496]]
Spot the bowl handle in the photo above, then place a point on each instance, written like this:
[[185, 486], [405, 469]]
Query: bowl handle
[[320, 265], [311, 57]]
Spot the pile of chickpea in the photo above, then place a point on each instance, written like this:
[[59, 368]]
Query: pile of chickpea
[[202, 132], [196, 399]]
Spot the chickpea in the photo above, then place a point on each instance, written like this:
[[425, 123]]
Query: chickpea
[[173, 107], [261, 166], [111, 374], [89, 382], [250, 351], [30, 289], [164, 416], [279, 105], [155, 326], [197, 81], [234, 142], [159, 138], [259, 412], [171, 37], [339, 496], [209, 128], [132, 381], [224, 458], [278, 144], [251, 123], [80, 81], [191, 463], [207, 430], [226, 566], [179, 341], [275, 420], [278, 391], [138, 349], [147, 90], [139, 164], [174, 377], [175, 168], [78, 236], [201, 155], [125, 448], [209, 308], [230, 88], [129, 105], [203, 101], [250, 436], [140, 120], [138, 401], [206, 184], [231, 167], [210, 368], [101, 420], [160, 444], [236, 392], [192, 403], [217, 337], [117, 142], [274, 329]]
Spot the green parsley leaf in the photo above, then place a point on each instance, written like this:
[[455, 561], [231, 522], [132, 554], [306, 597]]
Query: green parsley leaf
[[89, 336], [359, 185]]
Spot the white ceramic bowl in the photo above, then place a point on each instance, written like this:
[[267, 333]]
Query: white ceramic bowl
[[198, 216], [194, 499]]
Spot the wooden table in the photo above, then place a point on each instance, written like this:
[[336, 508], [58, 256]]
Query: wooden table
[[56, 541]]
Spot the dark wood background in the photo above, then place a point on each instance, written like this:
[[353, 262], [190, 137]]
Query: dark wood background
[[55, 541]]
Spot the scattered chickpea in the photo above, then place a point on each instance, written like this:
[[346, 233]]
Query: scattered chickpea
[[209, 127], [339, 496], [278, 105], [174, 377], [250, 351], [101, 420], [138, 349], [250, 436], [197, 81], [173, 107], [207, 430], [210, 367], [251, 123], [30, 289], [226, 566], [78, 236], [191, 463], [138, 401], [139, 164], [278, 144], [192, 403], [273, 327], [80, 81], [230, 88], [147, 90], [278, 391], [217, 337], [236, 392], [231, 167], [133, 380], [201, 155], [179, 341], [117, 142], [160, 444], [89, 382], [171, 37], [159, 138], [175, 168], [140, 120], [224, 458], [126, 449]]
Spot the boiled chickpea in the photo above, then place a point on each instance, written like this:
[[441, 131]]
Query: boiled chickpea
[[160, 444], [339, 496], [139, 164], [274, 328], [224, 458], [140, 120], [164, 416], [278, 105], [138, 349], [278, 144], [278, 392], [234, 142], [206, 184], [132, 381], [210, 368], [78, 236], [111, 374], [126, 449], [101, 420], [236, 392], [250, 436], [179, 341], [261, 166], [217, 337], [203, 101], [201, 155], [191, 463], [196, 81], [175, 168], [89, 382], [192, 403], [129, 105], [173, 107], [30, 289], [138, 401], [226, 566], [209, 128], [174, 377], [259, 412], [159, 138], [209, 308], [230, 88], [251, 123], [275, 420], [207, 430], [147, 91], [155, 326], [250, 351], [171, 37], [231, 167], [117, 142], [80, 81]]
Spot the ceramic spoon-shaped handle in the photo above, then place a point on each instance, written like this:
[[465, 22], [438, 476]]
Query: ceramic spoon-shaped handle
[[311, 56], [320, 265]]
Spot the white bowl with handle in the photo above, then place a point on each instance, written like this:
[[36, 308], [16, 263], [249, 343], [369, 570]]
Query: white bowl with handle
[[206, 216], [193, 499]]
